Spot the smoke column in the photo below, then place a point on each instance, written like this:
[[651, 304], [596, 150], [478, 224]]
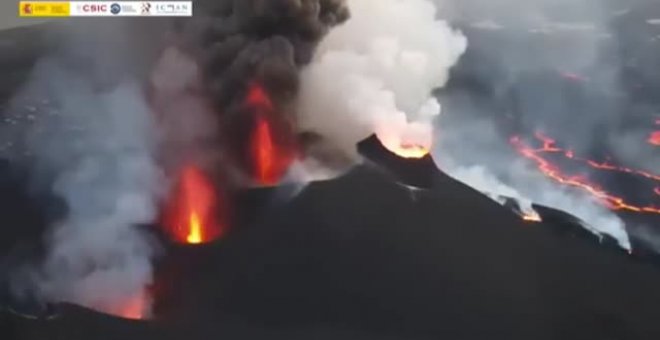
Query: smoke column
[[95, 143], [243, 45], [92, 145], [376, 73]]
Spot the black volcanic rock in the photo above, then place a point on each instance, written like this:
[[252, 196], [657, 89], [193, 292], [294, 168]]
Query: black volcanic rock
[[447, 263], [418, 173], [363, 257]]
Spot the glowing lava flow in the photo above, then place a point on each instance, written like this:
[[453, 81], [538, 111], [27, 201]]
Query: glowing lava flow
[[654, 138], [551, 171], [270, 157], [532, 217], [550, 146], [191, 213]]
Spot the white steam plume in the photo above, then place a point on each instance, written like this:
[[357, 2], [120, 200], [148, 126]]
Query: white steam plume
[[516, 43], [376, 72], [93, 144]]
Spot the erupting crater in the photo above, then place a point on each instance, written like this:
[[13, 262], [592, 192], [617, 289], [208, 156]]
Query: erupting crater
[[271, 146], [191, 217], [403, 149], [410, 165]]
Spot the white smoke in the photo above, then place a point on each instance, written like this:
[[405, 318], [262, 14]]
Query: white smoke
[[376, 72], [529, 187], [186, 119], [93, 145], [523, 39]]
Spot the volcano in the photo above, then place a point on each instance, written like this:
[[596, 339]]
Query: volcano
[[393, 249], [365, 257]]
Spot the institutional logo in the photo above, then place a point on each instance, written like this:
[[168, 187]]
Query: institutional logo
[[173, 8], [27, 9], [115, 8], [91, 8], [146, 8], [43, 9]]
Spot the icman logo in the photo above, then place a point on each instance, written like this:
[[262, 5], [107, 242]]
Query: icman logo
[[27, 9]]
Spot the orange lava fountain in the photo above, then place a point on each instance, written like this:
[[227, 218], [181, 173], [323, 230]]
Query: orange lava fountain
[[191, 213], [553, 172], [270, 157]]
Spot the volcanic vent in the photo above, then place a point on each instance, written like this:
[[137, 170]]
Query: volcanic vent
[[411, 168], [393, 248]]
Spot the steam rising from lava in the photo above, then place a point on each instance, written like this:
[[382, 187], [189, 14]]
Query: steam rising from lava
[[99, 150], [559, 66], [94, 147], [376, 73]]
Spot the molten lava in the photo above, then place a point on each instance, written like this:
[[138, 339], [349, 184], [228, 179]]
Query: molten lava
[[195, 230], [550, 170], [271, 156], [404, 149], [136, 308], [654, 138], [532, 217], [550, 147], [191, 214]]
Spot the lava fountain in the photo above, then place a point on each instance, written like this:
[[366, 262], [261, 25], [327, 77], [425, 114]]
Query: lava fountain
[[270, 148], [191, 216]]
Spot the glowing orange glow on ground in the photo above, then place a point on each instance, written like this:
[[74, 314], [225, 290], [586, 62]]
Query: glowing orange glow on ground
[[193, 207], [270, 156], [553, 172], [135, 308], [654, 138], [532, 217]]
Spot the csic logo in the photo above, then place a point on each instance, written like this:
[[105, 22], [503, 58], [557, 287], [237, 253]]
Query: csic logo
[[115, 8], [94, 8]]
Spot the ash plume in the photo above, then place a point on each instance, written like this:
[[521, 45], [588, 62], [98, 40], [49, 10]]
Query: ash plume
[[105, 145], [376, 73], [92, 144], [240, 44]]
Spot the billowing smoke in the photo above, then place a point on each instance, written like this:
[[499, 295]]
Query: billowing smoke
[[575, 70], [91, 143], [112, 103], [252, 47], [376, 73]]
